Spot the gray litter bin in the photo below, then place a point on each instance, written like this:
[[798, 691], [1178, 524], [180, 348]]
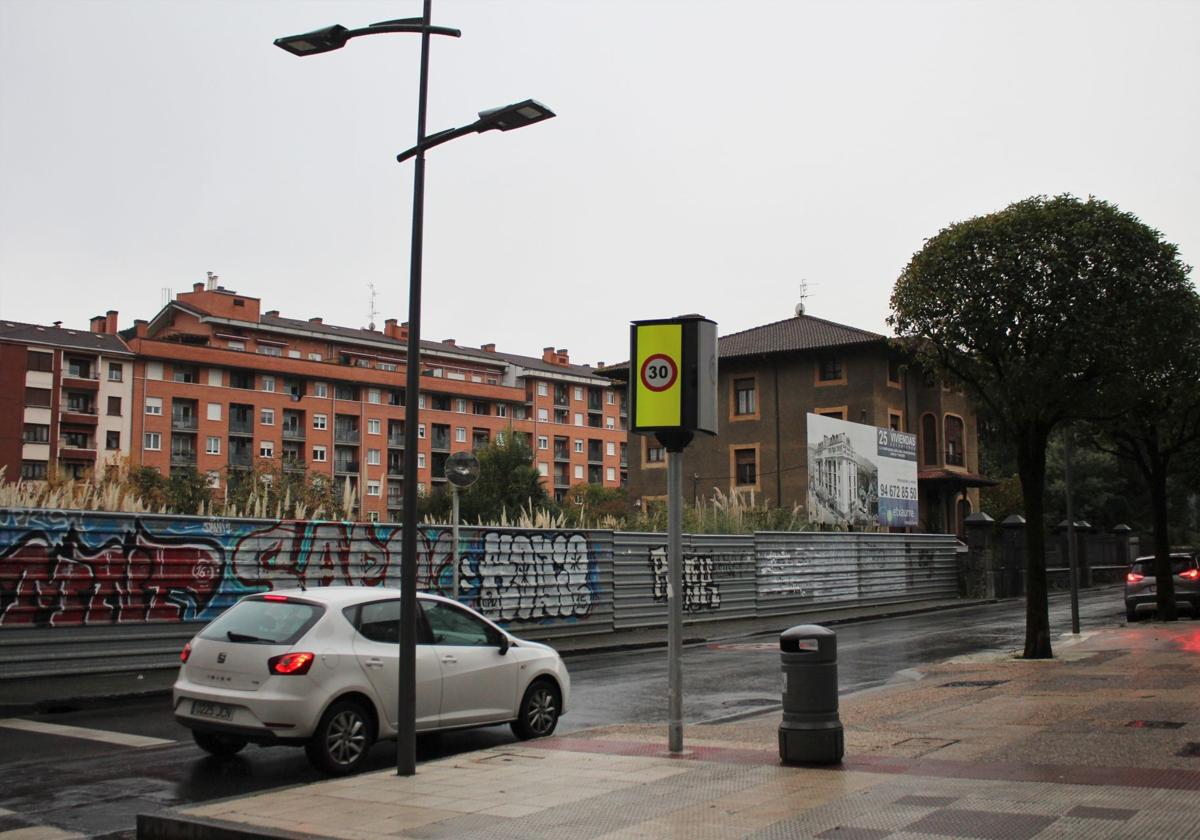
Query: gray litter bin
[[811, 732]]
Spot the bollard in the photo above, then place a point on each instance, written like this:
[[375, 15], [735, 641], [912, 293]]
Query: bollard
[[811, 732]]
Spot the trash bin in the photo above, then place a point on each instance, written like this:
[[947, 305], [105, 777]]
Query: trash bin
[[811, 732]]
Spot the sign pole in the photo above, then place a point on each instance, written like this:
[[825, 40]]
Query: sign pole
[[675, 599], [454, 537]]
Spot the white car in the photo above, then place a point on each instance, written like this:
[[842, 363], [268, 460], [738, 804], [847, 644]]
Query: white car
[[319, 668]]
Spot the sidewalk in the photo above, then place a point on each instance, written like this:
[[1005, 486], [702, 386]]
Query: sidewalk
[[1101, 742]]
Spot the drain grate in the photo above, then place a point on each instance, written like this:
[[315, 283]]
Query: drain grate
[[1190, 750], [973, 683], [753, 701], [1155, 724]]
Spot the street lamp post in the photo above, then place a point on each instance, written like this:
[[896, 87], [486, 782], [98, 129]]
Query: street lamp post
[[503, 119]]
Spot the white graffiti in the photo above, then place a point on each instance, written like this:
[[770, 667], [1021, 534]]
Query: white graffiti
[[533, 576], [699, 590]]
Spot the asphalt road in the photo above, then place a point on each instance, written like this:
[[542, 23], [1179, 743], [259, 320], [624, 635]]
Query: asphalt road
[[148, 762]]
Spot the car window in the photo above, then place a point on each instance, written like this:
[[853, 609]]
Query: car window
[[380, 622], [453, 626], [1145, 566], [258, 621]]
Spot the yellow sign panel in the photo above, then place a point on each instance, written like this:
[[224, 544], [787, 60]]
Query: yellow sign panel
[[659, 392]]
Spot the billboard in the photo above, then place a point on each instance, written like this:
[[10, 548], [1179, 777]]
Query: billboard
[[860, 475]]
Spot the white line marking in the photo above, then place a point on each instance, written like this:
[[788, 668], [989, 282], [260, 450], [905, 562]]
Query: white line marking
[[119, 738]]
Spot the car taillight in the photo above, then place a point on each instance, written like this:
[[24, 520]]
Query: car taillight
[[186, 652], [290, 664], [1133, 577], [275, 598], [1190, 574]]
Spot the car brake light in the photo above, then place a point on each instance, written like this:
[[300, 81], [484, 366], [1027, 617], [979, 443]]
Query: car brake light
[[290, 664], [1190, 574], [274, 597], [186, 652], [1133, 577]]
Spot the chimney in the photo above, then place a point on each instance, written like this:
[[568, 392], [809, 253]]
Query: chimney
[[488, 348], [110, 322], [98, 323], [197, 287], [402, 332], [272, 313], [315, 321], [212, 281], [389, 327], [141, 327], [562, 357], [449, 341], [548, 355]]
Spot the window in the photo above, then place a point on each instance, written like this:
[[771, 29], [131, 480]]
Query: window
[[241, 379], [829, 369], [543, 442], [893, 371], [212, 445], [154, 370], [745, 467], [216, 377], [453, 626], [612, 398], [318, 454], [421, 431], [543, 415], [267, 417], [838, 413], [745, 398], [373, 457], [373, 488], [153, 441], [320, 421], [320, 389], [610, 474], [237, 345], [35, 360], [460, 406], [542, 389], [929, 444], [114, 406], [578, 419], [420, 401], [39, 397], [33, 470], [342, 391], [266, 449], [386, 365], [112, 440], [35, 433], [116, 371], [579, 471], [578, 445], [269, 350], [578, 392], [955, 443], [374, 395], [420, 460], [543, 468], [610, 448], [268, 384], [655, 454], [154, 405], [373, 427], [460, 434], [214, 411], [293, 354], [895, 420], [186, 373], [314, 357], [609, 423], [502, 410]]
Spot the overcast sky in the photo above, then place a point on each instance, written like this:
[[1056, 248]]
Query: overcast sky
[[707, 157]]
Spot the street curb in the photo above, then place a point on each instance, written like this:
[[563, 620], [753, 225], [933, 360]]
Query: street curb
[[180, 827]]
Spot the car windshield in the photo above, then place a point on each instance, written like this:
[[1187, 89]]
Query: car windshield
[[258, 621], [1145, 565]]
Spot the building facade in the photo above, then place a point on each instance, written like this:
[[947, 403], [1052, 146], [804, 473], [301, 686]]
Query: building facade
[[218, 384], [65, 398], [771, 377]]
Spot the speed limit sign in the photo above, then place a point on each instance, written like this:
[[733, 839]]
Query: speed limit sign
[[659, 372]]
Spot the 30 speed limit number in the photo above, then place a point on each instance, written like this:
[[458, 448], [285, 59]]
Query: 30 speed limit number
[[659, 372]]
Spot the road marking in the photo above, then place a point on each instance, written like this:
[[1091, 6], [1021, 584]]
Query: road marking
[[119, 738]]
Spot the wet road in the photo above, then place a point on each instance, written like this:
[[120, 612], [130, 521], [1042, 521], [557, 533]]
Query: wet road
[[97, 787]]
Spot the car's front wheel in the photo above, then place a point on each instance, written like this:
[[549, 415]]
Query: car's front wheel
[[540, 708], [343, 738], [216, 743]]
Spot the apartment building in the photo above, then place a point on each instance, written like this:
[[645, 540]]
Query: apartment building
[[65, 398], [772, 376], [219, 383]]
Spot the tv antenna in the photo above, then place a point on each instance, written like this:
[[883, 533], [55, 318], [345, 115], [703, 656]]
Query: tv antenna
[[374, 310]]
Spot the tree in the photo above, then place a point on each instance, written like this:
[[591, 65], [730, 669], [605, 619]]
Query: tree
[[508, 482], [148, 486], [187, 491], [1160, 394], [1027, 310]]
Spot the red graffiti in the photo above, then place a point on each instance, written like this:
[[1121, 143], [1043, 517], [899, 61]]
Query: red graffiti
[[133, 576]]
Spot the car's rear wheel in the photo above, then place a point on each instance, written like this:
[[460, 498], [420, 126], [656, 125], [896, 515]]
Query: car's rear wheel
[[540, 708], [343, 738], [216, 743]]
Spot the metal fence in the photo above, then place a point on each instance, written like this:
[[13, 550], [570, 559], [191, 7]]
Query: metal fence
[[86, 582]]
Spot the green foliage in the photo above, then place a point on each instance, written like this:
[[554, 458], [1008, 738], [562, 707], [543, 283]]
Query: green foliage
[[149, 486], [187, 492], [586, 505], [267, 490], [508, 486], [736, 513]]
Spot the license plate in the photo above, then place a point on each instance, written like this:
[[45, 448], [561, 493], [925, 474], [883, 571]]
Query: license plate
[[216, 711]]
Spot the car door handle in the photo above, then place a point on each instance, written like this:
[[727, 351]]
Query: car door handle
[[374, 662], [449, 660]]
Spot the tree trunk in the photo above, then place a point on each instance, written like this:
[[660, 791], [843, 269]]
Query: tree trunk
[[1163, 581], [1031, 466]]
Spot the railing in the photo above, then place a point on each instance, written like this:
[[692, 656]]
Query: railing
[[396, 441], [183, 459], [440, 442], [345, 435], [241, 428], [240, 460], [294, 431], [345, 466], [294, 464], [184, 424]]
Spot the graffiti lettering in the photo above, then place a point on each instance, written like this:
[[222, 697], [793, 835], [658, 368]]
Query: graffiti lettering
[[699, 590], [531, 576], [304, 554]]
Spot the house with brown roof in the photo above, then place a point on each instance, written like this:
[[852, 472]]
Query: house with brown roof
[[772, 376]]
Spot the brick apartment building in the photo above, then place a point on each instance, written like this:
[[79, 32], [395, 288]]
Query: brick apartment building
[[217, 383], [65, 398], [772, 376]]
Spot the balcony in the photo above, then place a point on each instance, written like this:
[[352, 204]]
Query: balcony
[[396, 440], [349, 467], [345, 435], [75, 453], [293, 464], [440, 442], [186, 423], [241, 460], [292, 431], [241, 428], [183, 459], [395, 468], [82, 416], [81, 380], [561, 454]]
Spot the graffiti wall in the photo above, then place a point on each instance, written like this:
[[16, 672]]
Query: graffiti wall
[[60, 569]]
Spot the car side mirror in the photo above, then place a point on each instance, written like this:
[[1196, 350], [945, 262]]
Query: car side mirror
[[504, 644]]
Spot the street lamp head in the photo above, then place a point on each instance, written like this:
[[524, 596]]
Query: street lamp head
[[310, 43], [508, 117]]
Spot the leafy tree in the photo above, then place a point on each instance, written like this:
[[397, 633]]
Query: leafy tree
[[269, 490], [1028, 310], [587, 504], [187, 491], [149, 486], [508, 483]]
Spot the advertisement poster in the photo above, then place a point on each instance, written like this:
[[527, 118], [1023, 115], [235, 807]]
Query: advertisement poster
[[860, 475]]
